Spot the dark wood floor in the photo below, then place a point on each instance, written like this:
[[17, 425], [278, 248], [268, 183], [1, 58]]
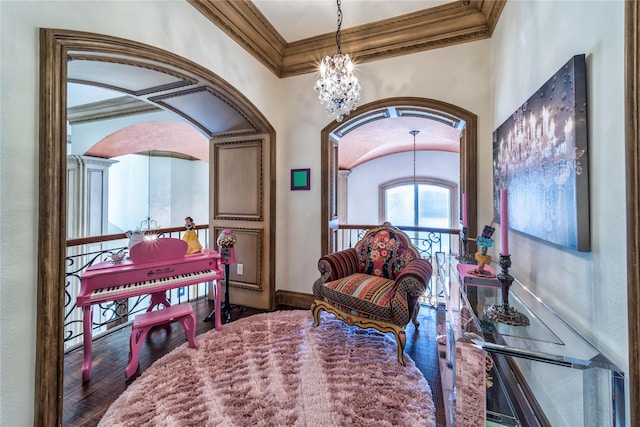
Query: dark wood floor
[[85, 404]]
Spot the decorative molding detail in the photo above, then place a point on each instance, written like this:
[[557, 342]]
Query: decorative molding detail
[[397, 111], [431, 114], [244, 23], [100, 85], [433, 28], [160, 98], [109, 109], [234, 134], [170, 154], [257, 214], [257, 235], [74, 160], [632, 149], [361, 120], [161, 76], [182, 79]]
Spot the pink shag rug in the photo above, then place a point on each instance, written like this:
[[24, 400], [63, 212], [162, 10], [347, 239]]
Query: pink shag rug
[[276, 369]]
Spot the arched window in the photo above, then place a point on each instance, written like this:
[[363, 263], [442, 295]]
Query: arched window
[[423, 202]]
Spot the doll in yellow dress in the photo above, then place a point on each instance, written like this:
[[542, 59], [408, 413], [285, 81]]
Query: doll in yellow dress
[[191, 237]]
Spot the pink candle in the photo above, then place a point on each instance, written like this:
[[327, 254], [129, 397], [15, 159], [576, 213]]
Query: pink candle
[[464, 210], [504, 223]]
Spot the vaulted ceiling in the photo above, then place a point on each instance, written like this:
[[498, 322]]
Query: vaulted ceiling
[[269, 31]]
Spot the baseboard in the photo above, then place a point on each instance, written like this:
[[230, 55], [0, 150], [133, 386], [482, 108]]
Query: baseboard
[[294, 299]]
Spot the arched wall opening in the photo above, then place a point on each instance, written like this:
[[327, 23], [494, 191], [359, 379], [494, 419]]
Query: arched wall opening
[[56, 47], [383, 109]]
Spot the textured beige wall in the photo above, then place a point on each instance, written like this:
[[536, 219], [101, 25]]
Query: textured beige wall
[[533, 40]]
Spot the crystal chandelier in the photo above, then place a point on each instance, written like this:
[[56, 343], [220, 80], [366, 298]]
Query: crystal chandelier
[[338, 89]]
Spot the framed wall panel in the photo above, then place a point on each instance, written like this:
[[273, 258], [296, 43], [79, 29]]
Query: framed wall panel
[[239, 181], [249, 254]]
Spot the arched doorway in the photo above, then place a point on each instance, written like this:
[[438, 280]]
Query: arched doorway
[[383, 109], [57, 47]]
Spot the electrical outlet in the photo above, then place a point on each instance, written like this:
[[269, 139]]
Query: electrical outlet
[[239, 269]]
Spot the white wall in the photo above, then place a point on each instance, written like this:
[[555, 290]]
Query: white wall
[[532, 41], [179, 188], [364, 180], [129, 205]]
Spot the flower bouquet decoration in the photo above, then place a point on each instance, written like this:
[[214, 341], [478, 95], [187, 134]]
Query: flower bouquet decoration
[[226, 241]]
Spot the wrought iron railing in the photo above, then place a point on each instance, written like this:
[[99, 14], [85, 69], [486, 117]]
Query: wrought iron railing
[[85, 252], [427, 240]]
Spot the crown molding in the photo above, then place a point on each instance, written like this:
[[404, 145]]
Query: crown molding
[[433, 28], [244, 23]]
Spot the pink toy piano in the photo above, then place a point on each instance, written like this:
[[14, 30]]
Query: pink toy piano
[[154, 267]]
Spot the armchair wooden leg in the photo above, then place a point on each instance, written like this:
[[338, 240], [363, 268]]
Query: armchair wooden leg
[[401, 339], [414, 317], [315, 309]]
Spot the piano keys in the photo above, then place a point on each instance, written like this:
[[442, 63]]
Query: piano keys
[[153, 268], [128, 290], [108, 282]]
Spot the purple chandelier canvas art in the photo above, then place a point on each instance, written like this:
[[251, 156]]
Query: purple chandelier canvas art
[[540, 156]]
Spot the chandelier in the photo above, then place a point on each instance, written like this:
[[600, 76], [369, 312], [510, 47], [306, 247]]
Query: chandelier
[[338, 89]]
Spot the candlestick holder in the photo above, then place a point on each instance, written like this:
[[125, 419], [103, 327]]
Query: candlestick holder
[[504, 312], [464, 257]]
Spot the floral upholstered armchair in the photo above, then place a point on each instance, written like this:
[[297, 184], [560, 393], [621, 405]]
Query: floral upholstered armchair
[[376, 284]]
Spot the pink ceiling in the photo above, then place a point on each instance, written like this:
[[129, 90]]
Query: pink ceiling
[[390, 136], [368, 142], [177, 137]]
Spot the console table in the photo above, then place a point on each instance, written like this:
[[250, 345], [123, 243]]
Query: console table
[[544, 373]]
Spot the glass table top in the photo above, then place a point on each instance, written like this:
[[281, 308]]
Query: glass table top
[[547, 337], [536, 330]]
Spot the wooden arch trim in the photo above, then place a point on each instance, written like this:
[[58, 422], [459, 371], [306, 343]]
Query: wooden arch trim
[[468, 154], [54, 47], [632, 143]]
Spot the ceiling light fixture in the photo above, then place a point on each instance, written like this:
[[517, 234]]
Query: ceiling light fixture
[[414, 133], [338, 89], [148, 222]]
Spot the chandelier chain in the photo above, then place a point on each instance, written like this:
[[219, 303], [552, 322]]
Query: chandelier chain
[[339, 26], [414, 158], [148, 222], [414, 133]]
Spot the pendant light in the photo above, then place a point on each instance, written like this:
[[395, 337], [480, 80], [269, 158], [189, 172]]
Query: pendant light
[[338, 88]]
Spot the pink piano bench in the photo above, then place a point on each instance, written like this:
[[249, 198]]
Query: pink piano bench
[[142, 323]]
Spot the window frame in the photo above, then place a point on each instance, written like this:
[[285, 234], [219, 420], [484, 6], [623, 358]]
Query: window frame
[[450, 185]]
